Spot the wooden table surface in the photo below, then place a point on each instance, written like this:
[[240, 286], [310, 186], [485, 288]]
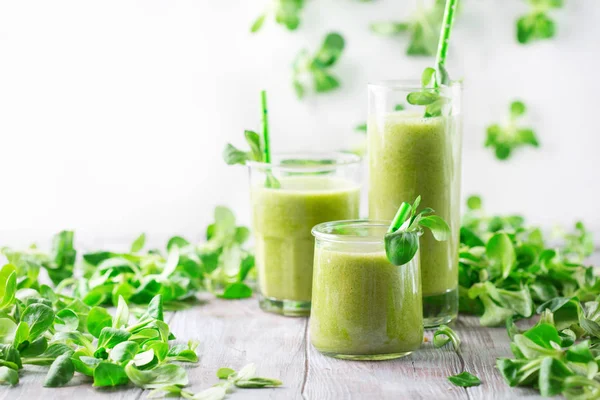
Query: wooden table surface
[[235, 333]]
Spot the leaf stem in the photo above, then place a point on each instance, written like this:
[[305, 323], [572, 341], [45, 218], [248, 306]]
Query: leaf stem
[[401, 215], [445, 34], [265, 128]]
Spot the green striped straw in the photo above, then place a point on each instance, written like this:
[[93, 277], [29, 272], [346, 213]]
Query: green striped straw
[[401, 216], [442, 51], [265, 128]]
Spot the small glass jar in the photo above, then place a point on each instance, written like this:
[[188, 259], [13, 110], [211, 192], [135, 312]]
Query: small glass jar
[[363, 306], [289, 196], [411, 155]]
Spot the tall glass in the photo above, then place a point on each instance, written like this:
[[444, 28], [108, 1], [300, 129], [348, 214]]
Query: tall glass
[[364, 307], [289, 196], [410, 155]]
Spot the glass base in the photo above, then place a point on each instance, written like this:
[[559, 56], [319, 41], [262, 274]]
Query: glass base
[[364, 357], [440, 308], [289, 308]]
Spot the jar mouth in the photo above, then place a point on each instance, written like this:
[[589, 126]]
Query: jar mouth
[[307, 161], [357, 230]]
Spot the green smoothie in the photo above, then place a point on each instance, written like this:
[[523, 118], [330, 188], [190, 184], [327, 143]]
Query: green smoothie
[[362, 305], [409, 156], [282, 223]]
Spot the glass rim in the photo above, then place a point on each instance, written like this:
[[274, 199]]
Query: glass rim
[[408, 85], [340, 159], [320, 231]]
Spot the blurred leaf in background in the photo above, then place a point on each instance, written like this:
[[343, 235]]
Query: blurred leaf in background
[[423, 29], [537, 25], [286, 13], [505, 139], [316, 68]]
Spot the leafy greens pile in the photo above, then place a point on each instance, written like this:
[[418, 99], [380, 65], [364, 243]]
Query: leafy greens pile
[[505, 139], [551, 356], [42, 327], [220, 265], [506, 270], [423, 28], [316, 67]]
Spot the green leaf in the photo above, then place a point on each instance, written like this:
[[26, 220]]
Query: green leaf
[[237, 290], [98, 319], [552, 376], [438, 227], [389, 28], [184, 353], [39, 318], [109, 375], [122, 315], [527, 136], [8, 376], [287, 13], [253, 141], [224, 373], [501, 253], [232, 155], [324, 82], [35, 348], [518, 372], [159, 376], [155, 309], [436, 108], [124, 352], [330, 51], [543, 335], [138, 244], [427, 78], [258, 23], [85, 364], [566, 311], [258, 382], [519, 301], [61, 371], [110, 337], [580, 353], [66, 320], [444, 334], [517, 109], [299, 89], [361, 128], [401, 247], [465, 379], [63, 256], [421, 98], [9, 356], [177, 241], [493, 314], [474, 203], [8, 289], [21, 334]]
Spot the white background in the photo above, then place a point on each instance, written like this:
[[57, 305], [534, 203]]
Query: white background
[[114, 113]]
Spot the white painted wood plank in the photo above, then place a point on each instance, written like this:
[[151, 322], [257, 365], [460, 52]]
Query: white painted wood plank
[[421, 375], [235, 333]]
